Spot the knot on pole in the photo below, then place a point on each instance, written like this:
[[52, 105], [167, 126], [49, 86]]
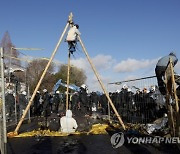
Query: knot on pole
[[70, 20]]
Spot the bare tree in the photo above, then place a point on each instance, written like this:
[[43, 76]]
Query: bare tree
[[9, 51], [34, 72]]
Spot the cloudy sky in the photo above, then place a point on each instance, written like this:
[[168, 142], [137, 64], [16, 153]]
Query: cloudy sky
[[124, 38]]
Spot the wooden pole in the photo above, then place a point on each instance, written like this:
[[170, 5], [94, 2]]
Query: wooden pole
[[68, 74], [168, 83], [4, 131], [101, 84], [174, 86], [177, 132], [170, 116], [40, 81], [109, 112]]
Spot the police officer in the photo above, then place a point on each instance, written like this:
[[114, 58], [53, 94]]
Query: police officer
[[55, 102], [22, 102], [161, 68], [10, 103]]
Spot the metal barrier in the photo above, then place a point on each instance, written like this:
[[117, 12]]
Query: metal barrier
[[138, 100]]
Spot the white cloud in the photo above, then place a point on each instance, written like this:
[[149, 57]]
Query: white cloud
[[105, 66], [80, 63], [94, 85], [131, 65], [103, 61]]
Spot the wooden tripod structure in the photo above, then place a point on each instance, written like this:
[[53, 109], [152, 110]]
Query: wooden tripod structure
[[69, 23], [172, 101]]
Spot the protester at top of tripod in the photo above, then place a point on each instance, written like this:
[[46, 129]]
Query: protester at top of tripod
[[72, 37], [72, 33], [161, 68]]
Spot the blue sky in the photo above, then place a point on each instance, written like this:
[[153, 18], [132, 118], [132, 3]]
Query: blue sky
[[124, 38]]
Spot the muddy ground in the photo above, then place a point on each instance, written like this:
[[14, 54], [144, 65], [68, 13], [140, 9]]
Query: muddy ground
[[79, 144]]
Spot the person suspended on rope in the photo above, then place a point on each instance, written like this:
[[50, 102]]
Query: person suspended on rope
[[72, 37], [161, 68]]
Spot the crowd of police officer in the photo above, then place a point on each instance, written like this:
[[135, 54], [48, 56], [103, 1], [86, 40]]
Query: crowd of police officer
[[139, 107]]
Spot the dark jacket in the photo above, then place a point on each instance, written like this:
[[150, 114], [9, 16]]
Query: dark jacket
[[165, 60]]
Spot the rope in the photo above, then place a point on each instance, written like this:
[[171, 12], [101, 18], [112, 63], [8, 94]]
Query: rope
[[132, 80]]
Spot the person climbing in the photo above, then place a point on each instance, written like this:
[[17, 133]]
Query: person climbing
[[72, 37], [161, 68]]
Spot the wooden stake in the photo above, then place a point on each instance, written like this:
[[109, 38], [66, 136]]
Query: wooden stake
[[168, 83], [177, 132], [174, 86], [101, 84]]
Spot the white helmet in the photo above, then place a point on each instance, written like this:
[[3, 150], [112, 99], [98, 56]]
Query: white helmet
[[83, 86], [125, 86], [152, 88], [9, 91], [44, 90], [57, 92], [24, 92], [118, 91]]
